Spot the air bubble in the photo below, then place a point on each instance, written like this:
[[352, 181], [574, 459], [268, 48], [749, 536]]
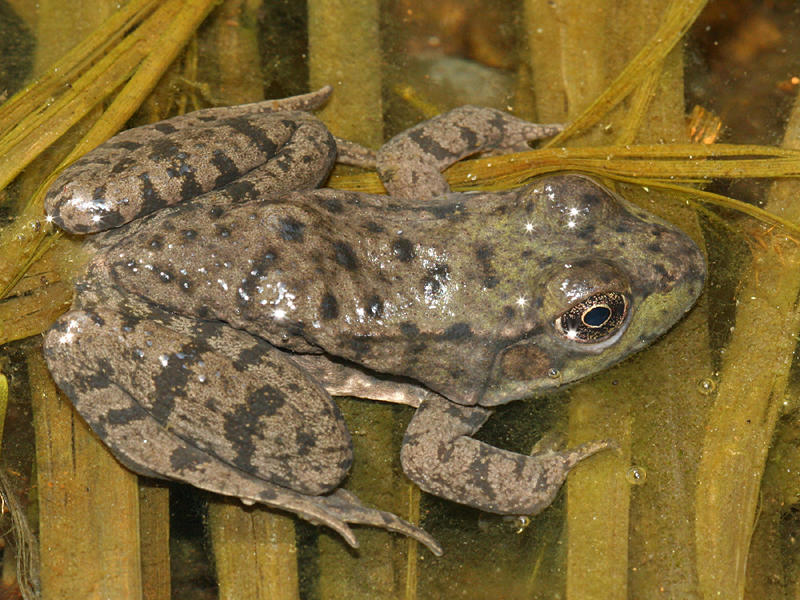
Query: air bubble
[[707, 386], [636, 475]]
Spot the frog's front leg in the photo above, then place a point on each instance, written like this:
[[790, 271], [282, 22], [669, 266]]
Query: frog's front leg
[[411, 163], [440, 457]]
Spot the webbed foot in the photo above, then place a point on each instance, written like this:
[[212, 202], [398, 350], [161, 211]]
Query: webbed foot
[[348, 508]]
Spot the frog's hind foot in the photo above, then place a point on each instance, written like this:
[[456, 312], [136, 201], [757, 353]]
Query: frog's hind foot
[[348, 508], [337, 510]]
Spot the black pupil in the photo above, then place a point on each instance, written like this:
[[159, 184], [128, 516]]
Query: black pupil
[[597, 316]]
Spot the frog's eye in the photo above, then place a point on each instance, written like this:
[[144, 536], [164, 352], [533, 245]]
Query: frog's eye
[[594, 319]]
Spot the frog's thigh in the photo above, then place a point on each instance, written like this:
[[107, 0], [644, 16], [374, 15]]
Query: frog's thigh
[[199, 402]]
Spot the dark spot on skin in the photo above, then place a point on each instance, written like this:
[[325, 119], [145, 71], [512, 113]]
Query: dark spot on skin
[[99, 195], [222, 231], [501, 210], [360, 345], [102, 375], [654, 248], [593, 198], [89, 160], [228, 171], [456, 373], [508, 312], [428, 143], [296, 329], [189, 234], [484, 254], [129, 321], [216, 212], [470, 138], [291, 230], [586, 232], [162, 150], [524, 363], [442, 211], [304, 442], [403, 249], [284, 161], [240, 190], [257, 135], [124, 145], [185, 285], [409, 330], [259, 268], [157, 242], [165, 275], [123, 165], [374, 227], [457, 331], [189, 186], [623, 227], [266, 400], [185, 458], [242, 426], [374, 307], [124, 416], [208, 329], [164, 128], [329, 307], [249, 357], [152, 199], [345, 464], [332, 205], [344, 255]]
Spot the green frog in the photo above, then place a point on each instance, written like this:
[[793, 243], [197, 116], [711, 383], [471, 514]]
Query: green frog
[[229, 298]]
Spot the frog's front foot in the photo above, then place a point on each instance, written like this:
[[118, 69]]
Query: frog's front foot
[[442, 459]]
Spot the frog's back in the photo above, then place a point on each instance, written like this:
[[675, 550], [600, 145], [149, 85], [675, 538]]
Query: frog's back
[[435, 291]]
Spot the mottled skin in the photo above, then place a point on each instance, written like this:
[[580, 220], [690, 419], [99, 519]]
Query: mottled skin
[[205, 339]]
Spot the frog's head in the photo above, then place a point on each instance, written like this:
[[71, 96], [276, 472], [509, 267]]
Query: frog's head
[[608, 279]]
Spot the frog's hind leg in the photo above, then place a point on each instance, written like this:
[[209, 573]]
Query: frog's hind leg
[[411, 163], [214, 407], [245, 150]]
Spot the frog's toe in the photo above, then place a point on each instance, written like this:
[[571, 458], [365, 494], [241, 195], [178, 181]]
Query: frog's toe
[[348, 508]]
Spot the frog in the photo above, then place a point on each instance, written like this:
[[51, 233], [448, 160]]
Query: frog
[[230, 297]]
